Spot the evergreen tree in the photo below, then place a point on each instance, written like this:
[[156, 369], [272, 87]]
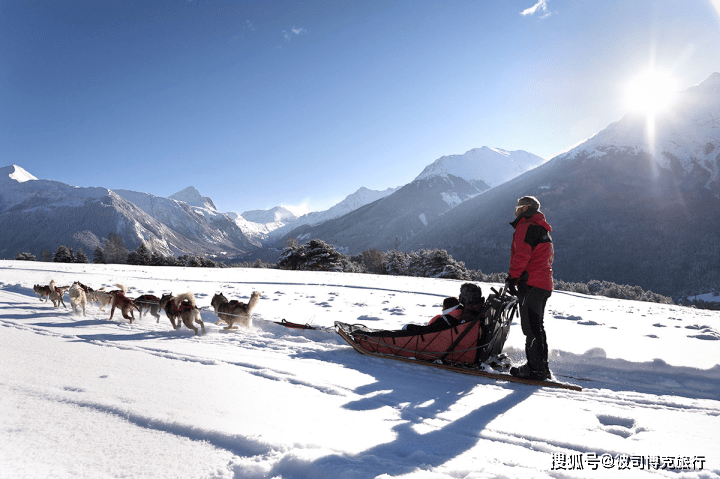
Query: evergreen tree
[[80, 257], [115, 250], [291, 256], [156, 259], [396, 263], [99, 256], [141, 256], [62, 255], [25, 257], [315, 255]]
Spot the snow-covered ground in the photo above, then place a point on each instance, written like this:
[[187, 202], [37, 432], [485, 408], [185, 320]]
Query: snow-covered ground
[[87, 397]]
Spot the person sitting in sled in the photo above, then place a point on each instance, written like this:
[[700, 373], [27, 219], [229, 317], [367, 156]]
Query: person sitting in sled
[[530, 279], [452, 309], [451, 312], [472, 301]]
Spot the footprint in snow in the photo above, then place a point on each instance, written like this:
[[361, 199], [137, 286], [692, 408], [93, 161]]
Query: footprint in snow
[[74, 389], [620, 426]]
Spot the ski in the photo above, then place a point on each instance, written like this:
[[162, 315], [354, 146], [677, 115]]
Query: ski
[[459, 369]]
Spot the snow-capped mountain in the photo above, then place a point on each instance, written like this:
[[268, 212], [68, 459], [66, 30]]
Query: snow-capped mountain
[[39, 215], [492, 166], [197, 220], [360, 198], [686, 136], [635, 204], [278, 215], [440, 187], [192, 197], [49, 213], [10, 175], [265, 226]]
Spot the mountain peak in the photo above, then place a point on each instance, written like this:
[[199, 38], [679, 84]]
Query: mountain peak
[[278, 214], [16, 174], [192, 197], [686, 133], [494, 166]]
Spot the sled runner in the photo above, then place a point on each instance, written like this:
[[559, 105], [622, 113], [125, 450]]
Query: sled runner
[[463, 347]]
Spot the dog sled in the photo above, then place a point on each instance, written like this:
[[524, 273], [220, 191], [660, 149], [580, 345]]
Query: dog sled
[[473, 346], [472, 340]]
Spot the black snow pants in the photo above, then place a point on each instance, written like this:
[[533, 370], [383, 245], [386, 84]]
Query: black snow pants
[[532, 310]]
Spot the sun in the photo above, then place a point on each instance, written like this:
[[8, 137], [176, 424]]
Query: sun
[[650, 92]]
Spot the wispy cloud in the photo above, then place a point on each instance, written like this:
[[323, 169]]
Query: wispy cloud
[[540, 7], [293, 31]]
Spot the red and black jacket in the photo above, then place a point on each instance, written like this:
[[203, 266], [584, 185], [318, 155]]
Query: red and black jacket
[[532, 253]]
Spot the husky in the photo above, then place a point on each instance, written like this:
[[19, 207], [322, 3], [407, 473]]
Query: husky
[[43, 291], [56, 294], [149, 302], [78, 298], [103, 297], [234, 311], [126, 305], [86, 289], [183, 308]]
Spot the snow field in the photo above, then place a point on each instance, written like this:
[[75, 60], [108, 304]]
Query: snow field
[[88, 397]]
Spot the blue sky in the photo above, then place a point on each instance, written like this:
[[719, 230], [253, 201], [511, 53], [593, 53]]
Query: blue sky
[[258, 104]]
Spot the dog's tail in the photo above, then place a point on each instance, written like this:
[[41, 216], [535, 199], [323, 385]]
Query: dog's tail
[[254, 298], [189, 297], [52, 285], [122, 287]]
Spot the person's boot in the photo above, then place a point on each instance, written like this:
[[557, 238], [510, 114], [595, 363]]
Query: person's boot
[[526, 372]]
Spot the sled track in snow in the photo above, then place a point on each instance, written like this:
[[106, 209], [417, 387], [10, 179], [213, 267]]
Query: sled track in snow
[[594, 390]]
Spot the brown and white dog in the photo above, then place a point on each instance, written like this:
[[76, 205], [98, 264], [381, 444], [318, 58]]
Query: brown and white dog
[[126, 305], [43, 291], [183, 308], [103, 297], [234, 311], [52, 292]]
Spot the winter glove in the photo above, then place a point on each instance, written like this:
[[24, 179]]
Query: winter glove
[[511, 285]]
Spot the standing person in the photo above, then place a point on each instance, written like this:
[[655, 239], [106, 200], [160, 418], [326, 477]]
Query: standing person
[[531, 277]]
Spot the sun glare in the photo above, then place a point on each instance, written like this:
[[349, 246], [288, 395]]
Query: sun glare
[[650, 92]]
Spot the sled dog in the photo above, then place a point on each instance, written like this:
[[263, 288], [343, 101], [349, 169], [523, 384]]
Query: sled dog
[[77, 298], [234, 311], [149, 302], [126, 305], [183, 308], [56, 294], [103, 297], [43, 291]]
